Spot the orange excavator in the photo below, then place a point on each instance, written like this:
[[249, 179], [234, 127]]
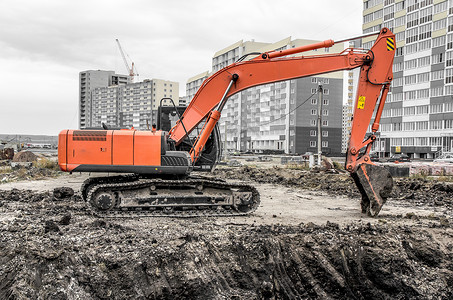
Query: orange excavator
[[159, 164]]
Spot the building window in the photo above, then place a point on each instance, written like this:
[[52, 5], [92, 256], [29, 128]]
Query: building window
[[440, 7], [441, 24], [437, 91], [436, 108], [423, 45], [450, 41], [312, 132], [313, 112], [436, 75], [389, 12], [423, 77], [410, 64], [423, 94], [426, 15], [435, 141], [325, 133], [421, 125], [325, 112], [411, 48], [400, 21], [439, 41], [448, 106], [397, 82], [313, 122], [325, 144], [325, 123], [325, 102], [408, 141], [399, 6], [448, 124], [312, 143], [408, 126], [438, 58], [449, 58], [398, 67], [314, 101], [397, 112], [435, 124], [422, 109], [396, 126], [412, 20], [409, 111], [449, 90], [411, 79]]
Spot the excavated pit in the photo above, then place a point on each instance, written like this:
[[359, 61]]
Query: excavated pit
[[51, 247]]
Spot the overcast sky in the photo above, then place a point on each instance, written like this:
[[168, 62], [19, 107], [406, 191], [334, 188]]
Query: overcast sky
[[45, 44]]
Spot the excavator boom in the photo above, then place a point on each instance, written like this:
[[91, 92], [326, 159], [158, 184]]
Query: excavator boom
[[376, 74]]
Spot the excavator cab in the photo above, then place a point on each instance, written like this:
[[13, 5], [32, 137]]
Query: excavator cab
[[212, 151]]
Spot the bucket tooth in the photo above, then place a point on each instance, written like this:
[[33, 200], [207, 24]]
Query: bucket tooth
[[375, 183]]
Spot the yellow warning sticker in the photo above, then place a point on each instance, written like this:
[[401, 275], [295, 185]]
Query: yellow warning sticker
[[361, 102], [390, 44]]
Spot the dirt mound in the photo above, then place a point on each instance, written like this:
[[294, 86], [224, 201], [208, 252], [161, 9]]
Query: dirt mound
[[25, 156], [63, 192], [55, 249], [419, 192], [335, 183], [7, 153]]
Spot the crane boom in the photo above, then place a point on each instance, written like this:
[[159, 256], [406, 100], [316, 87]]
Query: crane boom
[[129, 69]]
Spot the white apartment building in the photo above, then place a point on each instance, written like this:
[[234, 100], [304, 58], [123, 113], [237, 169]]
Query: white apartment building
[[193, 84], [418, 115], [88, 81], [132, 105]]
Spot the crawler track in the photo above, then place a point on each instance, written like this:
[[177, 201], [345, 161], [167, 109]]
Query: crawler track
[[130, 195]]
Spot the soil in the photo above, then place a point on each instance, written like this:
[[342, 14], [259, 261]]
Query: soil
[[307, 240], [25, 156]]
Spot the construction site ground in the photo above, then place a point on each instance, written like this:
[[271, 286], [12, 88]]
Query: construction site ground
[[307, 240]]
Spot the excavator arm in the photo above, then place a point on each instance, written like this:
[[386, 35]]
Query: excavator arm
[[374, 182]]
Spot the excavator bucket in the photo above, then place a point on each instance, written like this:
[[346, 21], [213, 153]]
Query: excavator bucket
[[375, 183]]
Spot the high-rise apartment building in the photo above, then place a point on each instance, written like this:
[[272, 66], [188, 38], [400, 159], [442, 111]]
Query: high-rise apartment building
[[132, 105], [418, 115], [88, 81], [194, 83], [280, 116]]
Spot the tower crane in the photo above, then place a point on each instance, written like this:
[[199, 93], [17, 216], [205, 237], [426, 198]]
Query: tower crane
[[132, 70]]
